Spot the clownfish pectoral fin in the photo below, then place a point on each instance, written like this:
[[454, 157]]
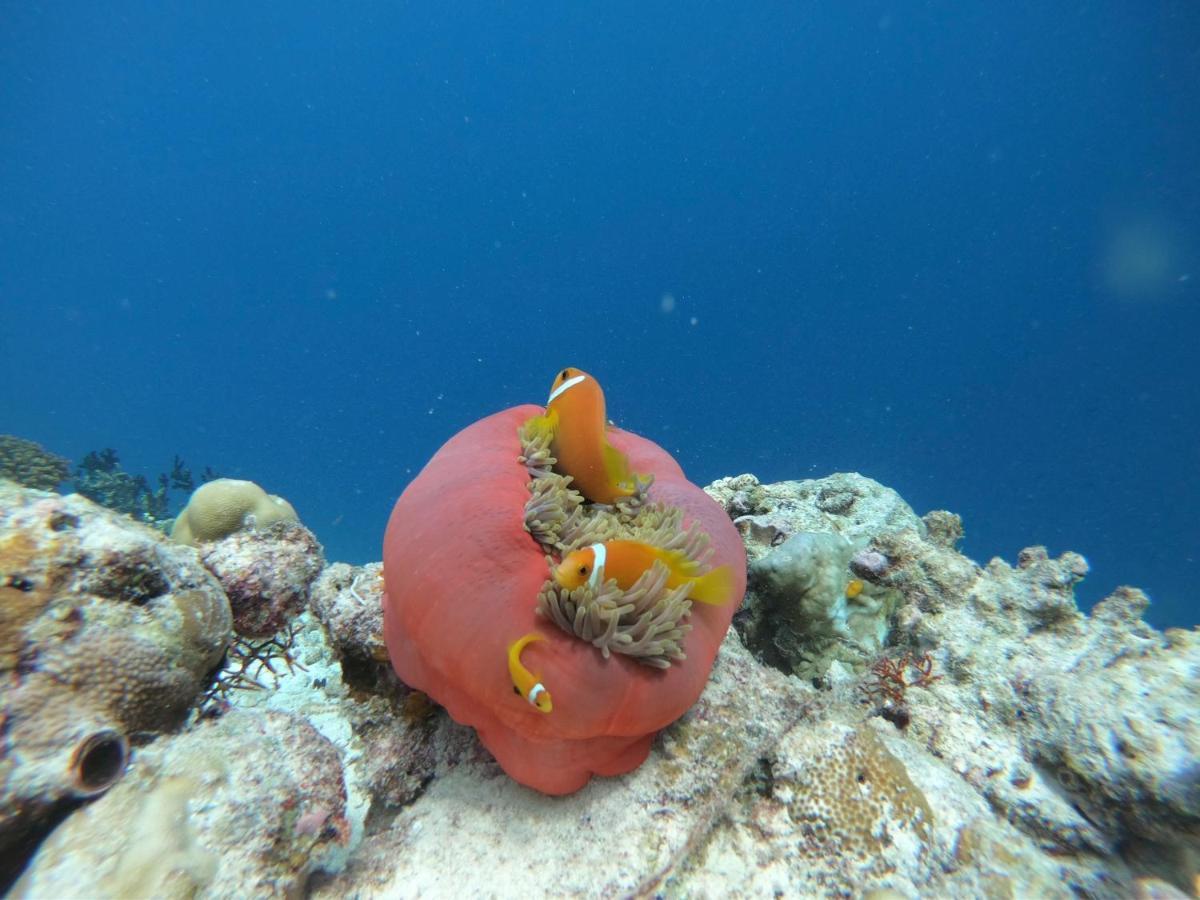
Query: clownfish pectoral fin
[[616, 467], [713, 588], [543, 426]]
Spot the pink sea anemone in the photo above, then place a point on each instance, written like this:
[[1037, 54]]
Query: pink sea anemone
[[462, 575]]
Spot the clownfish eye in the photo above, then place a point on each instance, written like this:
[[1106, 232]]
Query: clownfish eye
[[562, 376], [583, 570]]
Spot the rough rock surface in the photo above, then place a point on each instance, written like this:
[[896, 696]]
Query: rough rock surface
[[806, 604], [491, 836], [107, 630], [266, 573], [246, 806]]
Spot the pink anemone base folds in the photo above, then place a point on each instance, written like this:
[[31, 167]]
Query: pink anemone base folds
[[461, 578]]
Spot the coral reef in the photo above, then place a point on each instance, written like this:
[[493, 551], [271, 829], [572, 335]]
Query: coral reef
[[107, 632], [807, 604], [997, 743], [248, 805], [266, 573], [31, 464], [219, 508]]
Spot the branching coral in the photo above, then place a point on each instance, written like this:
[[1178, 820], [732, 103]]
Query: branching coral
[[247, 662], [892, 677], [100, 478]]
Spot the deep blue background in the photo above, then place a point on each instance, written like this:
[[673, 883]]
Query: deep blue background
[[952, 246]]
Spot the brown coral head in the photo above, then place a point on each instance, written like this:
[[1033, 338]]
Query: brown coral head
[[98, 762]]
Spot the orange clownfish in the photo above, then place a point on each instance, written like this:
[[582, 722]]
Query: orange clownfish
[[625, 561], [575, 418], [526, 684]]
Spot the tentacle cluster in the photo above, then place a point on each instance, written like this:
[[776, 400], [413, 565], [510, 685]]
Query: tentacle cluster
[[646, 622]]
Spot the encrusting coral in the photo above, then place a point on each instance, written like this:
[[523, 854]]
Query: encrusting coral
[[219, 508], [451, 609]]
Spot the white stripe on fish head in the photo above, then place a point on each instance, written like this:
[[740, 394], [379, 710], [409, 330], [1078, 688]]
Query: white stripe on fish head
[[565, 386], [601, 556]]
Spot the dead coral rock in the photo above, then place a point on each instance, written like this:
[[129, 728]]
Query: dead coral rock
[[347, 601], [248, 805], [845, 809], [106, 629], [266, 573], [1081, 730], [945, 528], [846, 503], [800, 612], [472, 828]]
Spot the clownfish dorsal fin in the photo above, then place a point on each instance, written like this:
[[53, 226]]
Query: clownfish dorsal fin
[[678, 562]]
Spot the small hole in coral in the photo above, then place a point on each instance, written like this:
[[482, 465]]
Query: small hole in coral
[[62, 521], [860, 777], [99, 761]]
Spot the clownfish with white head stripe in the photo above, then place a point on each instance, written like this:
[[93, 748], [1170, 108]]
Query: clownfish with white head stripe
[[576, 420], [626, 561]]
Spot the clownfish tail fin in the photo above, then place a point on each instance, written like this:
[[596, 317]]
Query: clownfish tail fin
[[714, 588]]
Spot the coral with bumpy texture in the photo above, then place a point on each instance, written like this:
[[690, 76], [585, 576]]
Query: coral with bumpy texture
[[106, 629], [221, 507], [853, 797], [248, 805], [266, 574], [31, 464]]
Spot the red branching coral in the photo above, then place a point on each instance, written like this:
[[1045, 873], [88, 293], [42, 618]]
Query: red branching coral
[[892, 677]]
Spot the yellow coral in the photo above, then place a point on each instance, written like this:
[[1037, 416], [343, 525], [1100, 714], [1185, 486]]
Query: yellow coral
[[219, 508]]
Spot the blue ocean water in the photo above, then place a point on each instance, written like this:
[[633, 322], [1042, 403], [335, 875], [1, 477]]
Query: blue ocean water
[[954, 246]]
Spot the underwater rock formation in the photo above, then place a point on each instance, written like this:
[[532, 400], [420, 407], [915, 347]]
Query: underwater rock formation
[[107, 630], [223, 506], [266, 573], [245, 806], [811, 598], [347, 601]]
